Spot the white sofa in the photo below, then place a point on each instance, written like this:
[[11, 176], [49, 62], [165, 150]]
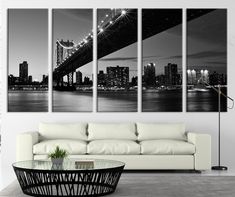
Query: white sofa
[[139, 145]]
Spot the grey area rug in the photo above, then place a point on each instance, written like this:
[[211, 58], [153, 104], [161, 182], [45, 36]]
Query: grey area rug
[[151, 185]]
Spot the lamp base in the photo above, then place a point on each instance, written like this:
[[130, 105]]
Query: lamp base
[[219, 168]]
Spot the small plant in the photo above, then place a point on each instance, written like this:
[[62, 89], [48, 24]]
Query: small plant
[[58, 153]]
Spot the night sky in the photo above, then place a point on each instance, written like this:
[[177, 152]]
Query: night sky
[[207, 42], [164, 48], [28, 41]]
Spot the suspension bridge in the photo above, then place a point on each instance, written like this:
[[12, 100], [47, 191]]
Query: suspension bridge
[[115, 31]]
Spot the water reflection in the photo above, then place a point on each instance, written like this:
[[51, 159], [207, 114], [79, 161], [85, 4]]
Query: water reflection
[[117, 101], [164, 101], [27, 101], [72, 101], [199, 101]]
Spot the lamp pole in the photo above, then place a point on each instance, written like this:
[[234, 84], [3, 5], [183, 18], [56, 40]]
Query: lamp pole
[[219, 167], [219, 106]]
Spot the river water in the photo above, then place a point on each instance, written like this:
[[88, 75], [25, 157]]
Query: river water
[[27, 101], [165, 101], [205, 101], [117, 101], [64, 101]]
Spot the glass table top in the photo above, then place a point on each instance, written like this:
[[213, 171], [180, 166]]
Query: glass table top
[[69, 164]]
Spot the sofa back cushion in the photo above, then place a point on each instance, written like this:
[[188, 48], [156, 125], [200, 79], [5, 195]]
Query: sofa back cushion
[[63, 131], [102, 131], [150, 131]]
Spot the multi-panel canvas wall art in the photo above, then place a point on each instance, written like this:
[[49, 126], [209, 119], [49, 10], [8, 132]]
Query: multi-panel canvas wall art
[[72, 60], [117, 60], [162, 60], [27, 60], [206, 59], [117, 54]]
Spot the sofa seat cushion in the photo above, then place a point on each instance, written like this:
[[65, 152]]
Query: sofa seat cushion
[[113, 147], [166, 147], [71, 146]]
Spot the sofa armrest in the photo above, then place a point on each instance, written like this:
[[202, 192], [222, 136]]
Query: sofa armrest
[[24, 145], [202, 157]]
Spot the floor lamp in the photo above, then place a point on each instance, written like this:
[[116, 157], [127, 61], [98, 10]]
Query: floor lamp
[[219, 167]]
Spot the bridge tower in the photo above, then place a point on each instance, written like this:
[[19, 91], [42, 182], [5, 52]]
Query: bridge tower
[[60, 82], [70, 79], [61, 51]]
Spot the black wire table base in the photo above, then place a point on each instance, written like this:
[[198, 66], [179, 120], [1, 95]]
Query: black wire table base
[[68, 183]]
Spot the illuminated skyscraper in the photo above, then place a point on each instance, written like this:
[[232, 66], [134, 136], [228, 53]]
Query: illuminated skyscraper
[[118, 76], [171, 73], [23, 71], [78, 78], [101, 78], [197, 76], [30, 80], [205, 75], [149, 74]]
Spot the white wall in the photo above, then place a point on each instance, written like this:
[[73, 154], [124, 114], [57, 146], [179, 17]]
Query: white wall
[[14, 123]]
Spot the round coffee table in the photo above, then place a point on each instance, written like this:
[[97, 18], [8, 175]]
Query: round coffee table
[[41, 178]]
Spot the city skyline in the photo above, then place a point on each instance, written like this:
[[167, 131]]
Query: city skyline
[[171, 76], [130, 75], [38, 79], [28, 37], [118, 76], [79, 78]]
